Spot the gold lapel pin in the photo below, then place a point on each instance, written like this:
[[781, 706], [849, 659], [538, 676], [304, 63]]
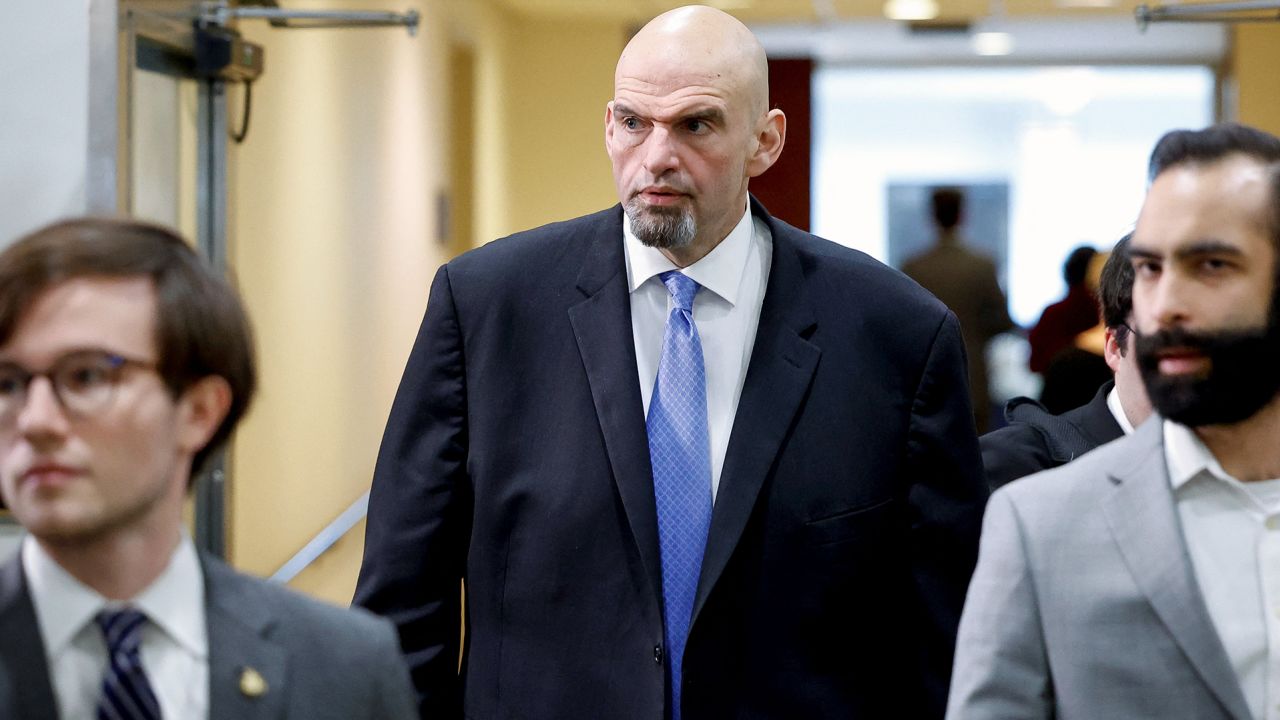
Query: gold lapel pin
[[252, 684]]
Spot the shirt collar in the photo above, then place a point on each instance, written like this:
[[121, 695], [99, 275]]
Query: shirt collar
[[63, 604], [174, 602], [1117, 411], [719, 271], [1188, 457]]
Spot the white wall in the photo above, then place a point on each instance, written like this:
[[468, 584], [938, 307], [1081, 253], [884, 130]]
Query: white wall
[[1072, 143], [44, 111]]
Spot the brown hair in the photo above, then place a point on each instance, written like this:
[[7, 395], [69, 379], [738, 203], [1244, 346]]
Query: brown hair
[[948, 206], [1115, 292], [1217, 142], [201, 327]]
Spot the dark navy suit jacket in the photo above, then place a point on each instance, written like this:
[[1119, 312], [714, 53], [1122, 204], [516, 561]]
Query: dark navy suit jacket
[[1036, 440], [515, 458]]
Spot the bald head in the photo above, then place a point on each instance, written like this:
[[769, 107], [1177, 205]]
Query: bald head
[[688, 126], [700, 44]]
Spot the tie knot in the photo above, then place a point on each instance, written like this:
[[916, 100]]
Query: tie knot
[[682, 288], [122, 629]]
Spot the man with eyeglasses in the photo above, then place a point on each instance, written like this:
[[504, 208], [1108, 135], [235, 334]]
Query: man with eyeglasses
[[125, 363], [1036, 439]]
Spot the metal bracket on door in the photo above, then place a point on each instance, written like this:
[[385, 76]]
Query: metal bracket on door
[[217, 13], [1230, 12]]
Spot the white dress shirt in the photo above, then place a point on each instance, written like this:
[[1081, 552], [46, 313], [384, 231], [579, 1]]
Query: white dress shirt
[[1117, 411], [1232, 531], [175, 643], [726, 311]]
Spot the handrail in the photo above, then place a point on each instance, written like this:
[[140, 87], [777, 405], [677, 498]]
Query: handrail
[[325, 539], [1206, 12], [217, 13]]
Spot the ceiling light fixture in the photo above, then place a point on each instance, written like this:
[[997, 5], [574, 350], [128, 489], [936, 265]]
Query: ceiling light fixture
[[992, 44], [911, 9]]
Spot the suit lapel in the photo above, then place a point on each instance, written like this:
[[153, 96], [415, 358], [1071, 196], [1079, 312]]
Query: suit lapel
[[782, 366], [1143, 520], [25, 689], [246, 668], [602, 328]]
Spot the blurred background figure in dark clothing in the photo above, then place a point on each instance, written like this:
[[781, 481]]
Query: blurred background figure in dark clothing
[[965, 281], [1037, 439], [1079, 369], [1062, 321]]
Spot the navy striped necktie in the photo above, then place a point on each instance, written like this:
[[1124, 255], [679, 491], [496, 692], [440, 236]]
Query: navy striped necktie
[[126, 693]]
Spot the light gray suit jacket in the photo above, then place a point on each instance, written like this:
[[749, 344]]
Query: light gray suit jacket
[[1085, 606], [319, 662]]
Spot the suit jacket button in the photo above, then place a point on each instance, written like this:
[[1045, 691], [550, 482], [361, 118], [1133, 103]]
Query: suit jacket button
[[657, 654]]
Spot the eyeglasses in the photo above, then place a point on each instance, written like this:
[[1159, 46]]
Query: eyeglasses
[[84, 382]]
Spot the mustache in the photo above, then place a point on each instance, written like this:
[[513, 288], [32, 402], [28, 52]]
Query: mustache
[[1207, 343], [1177, 338]]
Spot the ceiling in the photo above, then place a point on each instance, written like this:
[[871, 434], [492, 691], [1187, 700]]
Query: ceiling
[[807, 11], [836, 31]]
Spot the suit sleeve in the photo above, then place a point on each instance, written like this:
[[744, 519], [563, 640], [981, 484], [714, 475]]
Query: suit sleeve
[[420, 509], [1014, 451], [394, 696], [1001, 668], [945, 497]]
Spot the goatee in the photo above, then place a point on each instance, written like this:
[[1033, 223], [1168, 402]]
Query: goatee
[[661, 227], [1243, 374]]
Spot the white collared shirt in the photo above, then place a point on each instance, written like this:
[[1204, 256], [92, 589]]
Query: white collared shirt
[[1232, 531], [175, 643], [1117, 411], [726, 311]]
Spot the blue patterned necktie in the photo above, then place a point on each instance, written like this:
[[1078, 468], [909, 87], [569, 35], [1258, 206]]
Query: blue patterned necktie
[[681, 458], [126, 693]]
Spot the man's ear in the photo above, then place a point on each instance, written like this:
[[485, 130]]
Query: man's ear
[[1111, 350], [771, 135], [608, 128], [201, 410]]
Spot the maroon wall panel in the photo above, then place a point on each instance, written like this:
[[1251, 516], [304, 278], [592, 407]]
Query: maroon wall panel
[[784, 189]]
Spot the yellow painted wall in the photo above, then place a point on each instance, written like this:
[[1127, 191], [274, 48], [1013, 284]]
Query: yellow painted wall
[[492, 152], [556, 99], [333, 206], [541, 88], [462, 152], [333, 243], [1255, 55]]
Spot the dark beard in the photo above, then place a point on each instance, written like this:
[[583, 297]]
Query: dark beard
[[661, 227], [1243, 375]]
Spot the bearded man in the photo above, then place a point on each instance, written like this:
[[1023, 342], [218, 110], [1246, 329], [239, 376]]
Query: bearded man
[[689, 461], [1143, 580]]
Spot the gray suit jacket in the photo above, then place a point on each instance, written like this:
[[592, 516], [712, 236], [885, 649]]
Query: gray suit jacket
[[1085, 605], [319, 662]]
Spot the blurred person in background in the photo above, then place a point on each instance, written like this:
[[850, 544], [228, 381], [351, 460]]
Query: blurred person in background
[[1062, 321], [1036, 439], [965, 281], [1076, 372]]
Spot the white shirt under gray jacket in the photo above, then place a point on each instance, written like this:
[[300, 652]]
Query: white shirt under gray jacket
[[1139, 581], [258, 651]]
